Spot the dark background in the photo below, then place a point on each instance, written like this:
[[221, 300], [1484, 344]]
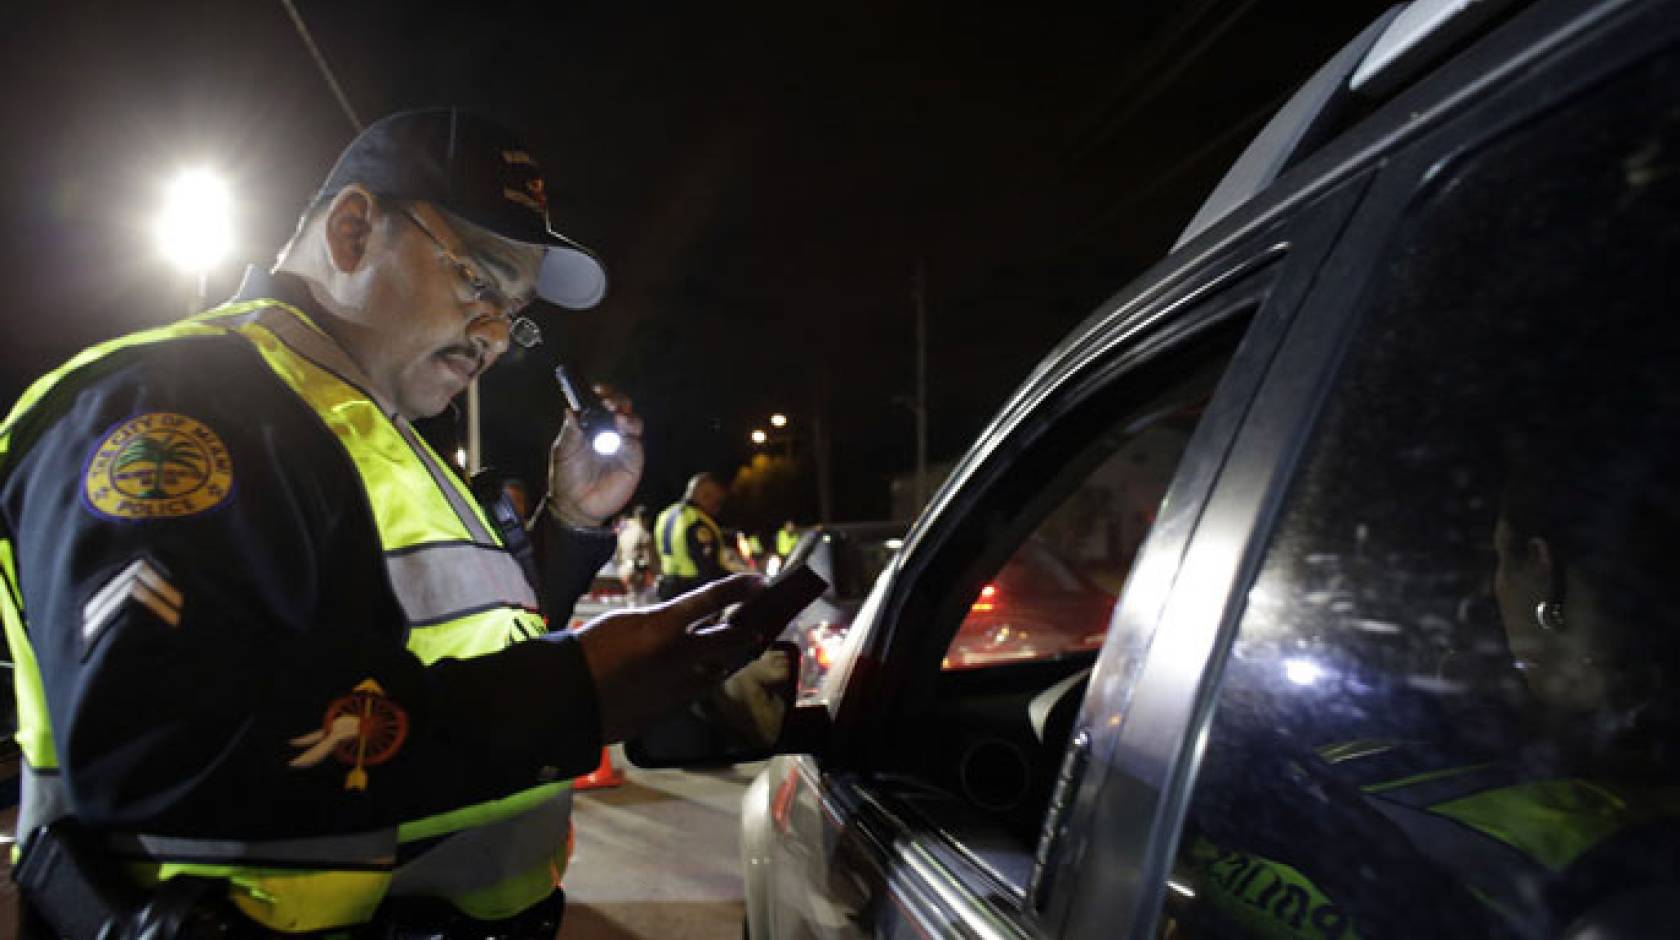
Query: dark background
[[762, 179]]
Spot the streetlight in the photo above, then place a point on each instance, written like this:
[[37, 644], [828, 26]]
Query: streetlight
[[758, 436], [778, 420], [194, 230]]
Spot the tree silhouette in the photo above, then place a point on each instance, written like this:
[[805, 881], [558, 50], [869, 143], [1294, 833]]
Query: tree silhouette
[[161, 454]]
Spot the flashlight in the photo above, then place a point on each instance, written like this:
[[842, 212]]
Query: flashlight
[[597, 423]]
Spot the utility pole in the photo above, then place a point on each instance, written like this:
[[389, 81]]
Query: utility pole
[[918, 293], [475, 454]]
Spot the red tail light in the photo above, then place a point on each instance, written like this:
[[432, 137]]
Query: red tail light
[[984, 602]]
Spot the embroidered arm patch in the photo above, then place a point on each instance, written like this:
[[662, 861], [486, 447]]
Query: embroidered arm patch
[[157, 465]]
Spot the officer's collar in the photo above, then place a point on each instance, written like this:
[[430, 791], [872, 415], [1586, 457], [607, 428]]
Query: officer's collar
[[291, 290]]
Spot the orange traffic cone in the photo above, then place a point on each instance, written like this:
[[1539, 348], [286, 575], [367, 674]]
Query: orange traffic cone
[[605, 775]]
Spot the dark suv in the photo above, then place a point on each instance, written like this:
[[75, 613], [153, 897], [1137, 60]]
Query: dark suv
[[1380, 470]]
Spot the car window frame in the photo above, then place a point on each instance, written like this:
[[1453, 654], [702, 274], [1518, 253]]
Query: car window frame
[[1263, 276]]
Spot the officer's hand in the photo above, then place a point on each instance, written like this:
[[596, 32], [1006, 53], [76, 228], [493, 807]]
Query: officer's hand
[[649, 661], [586, 488]]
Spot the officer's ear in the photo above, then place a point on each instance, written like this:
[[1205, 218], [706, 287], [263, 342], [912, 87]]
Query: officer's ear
[[348, 227]]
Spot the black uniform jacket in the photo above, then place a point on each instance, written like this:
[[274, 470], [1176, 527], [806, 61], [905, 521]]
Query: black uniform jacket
[[198, 706]]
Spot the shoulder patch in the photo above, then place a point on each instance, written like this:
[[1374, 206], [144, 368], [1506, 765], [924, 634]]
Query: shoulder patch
[[157, 465]]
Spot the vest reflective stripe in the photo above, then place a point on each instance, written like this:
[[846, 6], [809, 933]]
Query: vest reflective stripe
[[672, 528], [370, 850], [289, 899], [374, 851], [427, 521], [41, 798], [441, 582], [466, 508]]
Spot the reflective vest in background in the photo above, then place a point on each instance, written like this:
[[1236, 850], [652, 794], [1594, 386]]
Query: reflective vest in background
[[1465, 820], [463, 596], [670, 535], [785, 542]]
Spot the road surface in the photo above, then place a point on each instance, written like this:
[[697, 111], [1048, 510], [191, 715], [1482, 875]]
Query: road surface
[[659, 857]]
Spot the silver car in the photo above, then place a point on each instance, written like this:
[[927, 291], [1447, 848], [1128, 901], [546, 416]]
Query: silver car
[[1370, 496], [849, 556]]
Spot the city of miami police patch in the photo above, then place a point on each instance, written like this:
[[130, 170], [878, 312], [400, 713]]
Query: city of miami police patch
[[158, 465]]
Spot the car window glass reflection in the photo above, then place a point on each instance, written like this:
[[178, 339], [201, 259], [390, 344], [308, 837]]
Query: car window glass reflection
[[1054, 595], [1451, 706]]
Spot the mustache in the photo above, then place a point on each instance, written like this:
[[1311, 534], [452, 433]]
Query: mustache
[[470, 351]]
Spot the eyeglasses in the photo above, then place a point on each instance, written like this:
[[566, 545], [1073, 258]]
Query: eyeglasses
[[521, 330]]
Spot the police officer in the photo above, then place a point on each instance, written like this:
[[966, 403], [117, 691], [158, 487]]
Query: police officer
[[787, 537], [271, 658], [690, 543]]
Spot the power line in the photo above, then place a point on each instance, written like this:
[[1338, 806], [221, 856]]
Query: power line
[[321, 63], [1155, 75]]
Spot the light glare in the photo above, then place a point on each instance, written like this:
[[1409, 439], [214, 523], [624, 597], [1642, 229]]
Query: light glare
[[194, 230], [778, 420], [1302, 671], [759, 437]]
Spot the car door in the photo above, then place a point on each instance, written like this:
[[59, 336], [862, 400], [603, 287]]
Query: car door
[[1358, 723], [1031, 585]]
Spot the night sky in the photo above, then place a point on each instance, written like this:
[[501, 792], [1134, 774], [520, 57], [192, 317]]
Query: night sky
[[763, 181]]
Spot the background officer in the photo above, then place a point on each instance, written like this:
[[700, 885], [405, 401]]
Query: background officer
[[787, 537], [690, 543], [269, 652]]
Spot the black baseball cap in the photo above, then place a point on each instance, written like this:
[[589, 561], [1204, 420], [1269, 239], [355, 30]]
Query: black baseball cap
[[480, 171]]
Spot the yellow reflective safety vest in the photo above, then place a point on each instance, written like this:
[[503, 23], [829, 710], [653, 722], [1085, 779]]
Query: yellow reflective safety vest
[[785, 542], [490, 860], [671, 535]]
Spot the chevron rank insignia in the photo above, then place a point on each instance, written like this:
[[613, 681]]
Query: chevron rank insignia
[[140, 584]]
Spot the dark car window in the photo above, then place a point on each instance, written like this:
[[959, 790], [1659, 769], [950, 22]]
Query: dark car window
[[1450, 708]]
